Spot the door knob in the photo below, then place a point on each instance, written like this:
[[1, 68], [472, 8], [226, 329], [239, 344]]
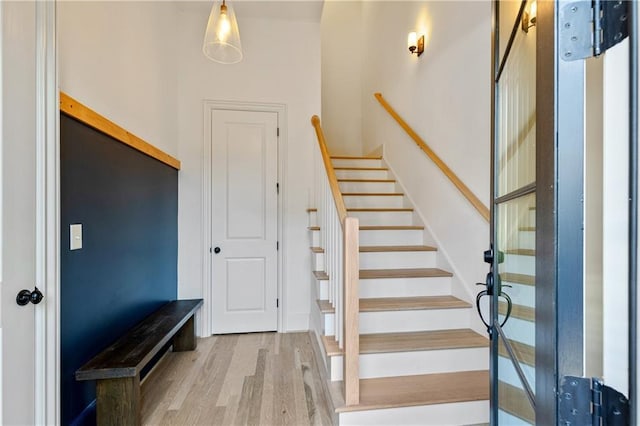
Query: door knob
[[216, 250], [26, 296]]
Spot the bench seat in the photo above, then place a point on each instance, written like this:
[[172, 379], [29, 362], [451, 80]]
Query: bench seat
[[117, 368]]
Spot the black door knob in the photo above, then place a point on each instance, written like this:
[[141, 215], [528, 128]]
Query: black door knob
[[26, 296], [216, 250]]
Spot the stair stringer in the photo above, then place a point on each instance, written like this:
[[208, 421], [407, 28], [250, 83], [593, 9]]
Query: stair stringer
[[459, 288]]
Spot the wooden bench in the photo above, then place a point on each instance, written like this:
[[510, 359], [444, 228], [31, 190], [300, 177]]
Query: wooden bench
[[117, 368]]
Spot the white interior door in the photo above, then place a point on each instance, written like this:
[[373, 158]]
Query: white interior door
[[18, 203], [244, 206]]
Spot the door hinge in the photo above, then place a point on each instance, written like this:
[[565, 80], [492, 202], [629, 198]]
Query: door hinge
[[588, 401], [278, 131], [277, 303], [588, 28], [277, 245], [278, 187]]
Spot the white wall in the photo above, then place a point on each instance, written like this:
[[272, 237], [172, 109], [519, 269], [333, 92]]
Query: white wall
[[342, 76], [281, 65], [445, 95], [119, 59]]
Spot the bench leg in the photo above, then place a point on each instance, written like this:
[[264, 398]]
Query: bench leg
[[185, 338], [118, 401]]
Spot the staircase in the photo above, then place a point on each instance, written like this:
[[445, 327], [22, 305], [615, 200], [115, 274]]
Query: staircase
[[419, 362]]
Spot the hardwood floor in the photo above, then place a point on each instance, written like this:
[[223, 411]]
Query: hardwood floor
[[238, 379]]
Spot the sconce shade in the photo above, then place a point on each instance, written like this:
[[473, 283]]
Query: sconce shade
[[222, 38], [415, 43]]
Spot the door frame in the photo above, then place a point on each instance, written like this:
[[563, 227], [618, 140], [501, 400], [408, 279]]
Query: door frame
[[559, 188], [46, 404], [208, 107], [47, 333]]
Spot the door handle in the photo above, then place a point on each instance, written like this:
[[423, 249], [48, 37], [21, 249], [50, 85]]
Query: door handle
[[26, 296], [216, 250]]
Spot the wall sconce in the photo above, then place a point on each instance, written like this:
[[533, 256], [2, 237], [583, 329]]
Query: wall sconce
[[529, 19], [416, 45]]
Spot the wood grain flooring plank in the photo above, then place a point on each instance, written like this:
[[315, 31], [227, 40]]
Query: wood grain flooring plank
[[267, 379], [253, 416]]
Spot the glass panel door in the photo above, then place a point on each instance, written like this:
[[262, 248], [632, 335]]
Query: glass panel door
[[514, 223]]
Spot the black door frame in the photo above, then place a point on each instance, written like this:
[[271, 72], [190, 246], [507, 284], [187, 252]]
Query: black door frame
[[559, 210]]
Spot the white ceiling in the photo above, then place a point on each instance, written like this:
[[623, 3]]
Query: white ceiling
[[290, 10]]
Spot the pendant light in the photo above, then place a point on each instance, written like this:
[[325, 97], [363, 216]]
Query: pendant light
[[222, 38]]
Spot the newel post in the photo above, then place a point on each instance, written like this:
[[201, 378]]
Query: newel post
[[351, 373]]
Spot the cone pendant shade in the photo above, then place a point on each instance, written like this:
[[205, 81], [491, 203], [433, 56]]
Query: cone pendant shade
[[222, 38]]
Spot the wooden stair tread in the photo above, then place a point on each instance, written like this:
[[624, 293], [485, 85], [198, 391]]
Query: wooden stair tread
[[526, 354], [404, 273], [521, 252], [360, 168], [310, 210], [424, 389], [411, 303], [525, 313], [412, 341], [514, 401], [321, 275], [382, 304], [368, 180], [384, 249], [380, 209], [317, 250], [527, 228], [518, 278], [349, 157], [372, 194], [325, 306], [313, 228], [391, 228]]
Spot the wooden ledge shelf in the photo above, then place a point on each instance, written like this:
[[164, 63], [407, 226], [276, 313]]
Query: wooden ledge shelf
[[317, 250], [91, 118]]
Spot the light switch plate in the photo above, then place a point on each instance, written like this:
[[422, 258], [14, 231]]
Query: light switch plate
[[75, 236]]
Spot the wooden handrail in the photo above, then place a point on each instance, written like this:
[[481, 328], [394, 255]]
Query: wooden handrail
[[464, 189], [331, 174]]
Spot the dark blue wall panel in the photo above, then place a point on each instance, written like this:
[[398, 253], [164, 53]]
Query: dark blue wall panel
[[127, 204]]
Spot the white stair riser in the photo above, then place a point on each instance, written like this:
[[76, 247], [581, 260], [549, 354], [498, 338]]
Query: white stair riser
[[315, 238], [405, 287], [398, 260], [458, 413], [313, 218], [356, 162], [526, 239], [374, 201], [328, 324], [519, 264], [409, 237], [383, 218], [507, 373], [361, 174], [505, 418], [520, 294], [409, 363], [367, 187], [520, 330], [317, 261], [415, 320]]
